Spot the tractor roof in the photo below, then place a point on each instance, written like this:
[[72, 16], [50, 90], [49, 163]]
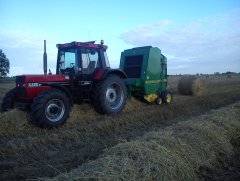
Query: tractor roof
[[90, 44]]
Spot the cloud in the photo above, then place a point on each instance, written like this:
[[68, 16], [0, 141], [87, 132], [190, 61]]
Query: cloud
[[206, 45], [24, 50], [147, 30], [178, 67]]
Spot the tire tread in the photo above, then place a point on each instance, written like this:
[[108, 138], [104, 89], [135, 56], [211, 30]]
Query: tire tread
[[37, 108], [8, 100]]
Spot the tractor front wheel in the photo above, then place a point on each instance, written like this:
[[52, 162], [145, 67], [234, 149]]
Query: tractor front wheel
[[50, 108], [110, 95], [8, 100]]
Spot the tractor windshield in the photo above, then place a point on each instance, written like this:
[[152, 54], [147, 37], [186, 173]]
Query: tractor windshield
[[67, 60]]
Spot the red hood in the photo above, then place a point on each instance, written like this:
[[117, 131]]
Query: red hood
[[41, 78]]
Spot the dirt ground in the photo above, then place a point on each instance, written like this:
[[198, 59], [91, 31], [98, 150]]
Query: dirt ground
[[28, 152]]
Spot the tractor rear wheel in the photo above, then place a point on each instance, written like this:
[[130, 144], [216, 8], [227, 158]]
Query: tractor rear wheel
[[167, 97], [8, 100], [50, 108], [110, 95]]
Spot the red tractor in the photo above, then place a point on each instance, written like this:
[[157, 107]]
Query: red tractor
[[83, 73]]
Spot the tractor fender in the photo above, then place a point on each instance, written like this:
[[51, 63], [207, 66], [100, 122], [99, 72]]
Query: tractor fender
[[118, 72], [62, 88]]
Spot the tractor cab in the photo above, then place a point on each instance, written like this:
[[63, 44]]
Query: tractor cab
[[81, 61]]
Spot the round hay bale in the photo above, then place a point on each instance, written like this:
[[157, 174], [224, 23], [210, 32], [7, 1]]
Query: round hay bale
[[192, 85]]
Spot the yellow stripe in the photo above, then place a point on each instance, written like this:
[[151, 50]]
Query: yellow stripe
[[152, 81], [155, 81]]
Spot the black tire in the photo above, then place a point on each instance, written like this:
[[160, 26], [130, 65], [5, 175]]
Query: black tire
[[159, 101], [50, 108], [8, 100], [110, 95], [167, 97]]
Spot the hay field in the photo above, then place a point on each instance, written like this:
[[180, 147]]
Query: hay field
[[174, 153], [27, 152]]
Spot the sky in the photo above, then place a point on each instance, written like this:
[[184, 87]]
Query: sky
[[196, 36]]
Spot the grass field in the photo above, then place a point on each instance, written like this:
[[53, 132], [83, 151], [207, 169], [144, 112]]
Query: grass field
[[193, 138]]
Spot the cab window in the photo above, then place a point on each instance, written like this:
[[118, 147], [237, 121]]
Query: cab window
[[89, 60], [67, 60], [106, 59]]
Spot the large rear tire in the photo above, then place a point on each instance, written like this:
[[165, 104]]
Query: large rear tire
[[50, 109], [110, 95], [8, 100]]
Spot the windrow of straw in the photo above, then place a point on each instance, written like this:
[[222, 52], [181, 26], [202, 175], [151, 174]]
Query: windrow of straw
[[175, 153], [192, 85]]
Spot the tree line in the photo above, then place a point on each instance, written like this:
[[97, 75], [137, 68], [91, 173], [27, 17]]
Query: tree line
[[4, 64]]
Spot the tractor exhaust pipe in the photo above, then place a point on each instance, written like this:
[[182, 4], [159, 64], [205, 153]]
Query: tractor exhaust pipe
[[45, 59]]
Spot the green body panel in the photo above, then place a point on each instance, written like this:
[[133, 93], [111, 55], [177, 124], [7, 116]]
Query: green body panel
[[146, 69]]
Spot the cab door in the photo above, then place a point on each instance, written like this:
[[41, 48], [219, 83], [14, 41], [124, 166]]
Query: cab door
[[89, 61]]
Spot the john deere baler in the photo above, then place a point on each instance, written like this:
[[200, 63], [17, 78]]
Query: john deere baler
[[146, 69]]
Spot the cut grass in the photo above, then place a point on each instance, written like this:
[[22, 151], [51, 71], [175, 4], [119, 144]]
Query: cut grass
[[175, 153], [38, 152]]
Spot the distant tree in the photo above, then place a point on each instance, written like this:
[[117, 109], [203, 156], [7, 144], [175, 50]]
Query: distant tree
[[4, 64]]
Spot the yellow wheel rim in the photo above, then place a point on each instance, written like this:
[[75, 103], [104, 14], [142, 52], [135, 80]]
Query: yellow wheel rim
[[169, 98]]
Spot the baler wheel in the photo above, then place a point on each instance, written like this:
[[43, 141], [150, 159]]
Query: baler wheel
[[50, 108], [167, 97], [8, 100], [158, 101]]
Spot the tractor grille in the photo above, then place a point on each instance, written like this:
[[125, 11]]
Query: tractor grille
[[133, 66]]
